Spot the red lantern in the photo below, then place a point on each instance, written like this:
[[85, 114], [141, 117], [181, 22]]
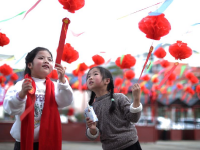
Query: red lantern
[[127, 61], [160, 53], [6, 69], [118, 81], [2, 79], [179, 86], [155, 80], [69, 54], [98, 60], [53, 74], [14, 76], [82, 67], [129, 74], [165, 63], [4, 40], [145, 77], [194, 80], [198, 91], [189, 75], [172, 77], [155, 26], [72, 5], [180, 50]]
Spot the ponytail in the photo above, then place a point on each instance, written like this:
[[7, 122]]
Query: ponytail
[[113, 103], [92, 98]]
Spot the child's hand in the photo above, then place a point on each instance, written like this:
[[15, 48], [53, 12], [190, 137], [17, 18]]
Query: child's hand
[[136, 94], [61, 72], [26, 86], [91, 125]]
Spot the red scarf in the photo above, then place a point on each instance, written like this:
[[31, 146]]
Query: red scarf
[[50, 125]]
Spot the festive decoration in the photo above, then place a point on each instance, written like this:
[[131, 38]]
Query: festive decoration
[[145, 77], [198, 91], [155, 80], [160, 52], [53, 74], [165, 63], [118, 81], [63, 34], [168, 74], [155, 26], [180, 50], [13, 17], [130, 74], [72, 5], [161, 9], [6, 69], [126, 61], [32, 8], [98, 60], [4, 40], [149, 54], [69, 54], [14, 77]]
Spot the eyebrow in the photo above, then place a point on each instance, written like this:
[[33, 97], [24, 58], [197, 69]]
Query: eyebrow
[[44, 56]]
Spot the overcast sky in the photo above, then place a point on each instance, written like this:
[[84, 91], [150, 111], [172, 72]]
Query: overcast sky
[[103, 30]]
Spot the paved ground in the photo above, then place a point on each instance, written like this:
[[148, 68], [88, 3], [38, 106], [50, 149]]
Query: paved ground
[[159, 145]]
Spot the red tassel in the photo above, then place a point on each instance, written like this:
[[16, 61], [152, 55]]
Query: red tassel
[[149, 54], [168, 74]]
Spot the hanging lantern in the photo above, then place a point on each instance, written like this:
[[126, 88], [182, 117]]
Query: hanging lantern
[[160, 52], [179, 86], [155, 27], [53, 74], [126, 61], [145, 77], [165, 63], [14, 77], [180, 50], [69, 54], [130, 74], [198, 91], [4, 40], [6, 69], [155, 80], [98, 60], [118, 81], [72, 5]]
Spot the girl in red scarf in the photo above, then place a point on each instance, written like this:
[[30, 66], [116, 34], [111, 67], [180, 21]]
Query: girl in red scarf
[[35, 101]]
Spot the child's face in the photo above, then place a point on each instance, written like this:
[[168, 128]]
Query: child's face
[[42, 65], [94, 80]]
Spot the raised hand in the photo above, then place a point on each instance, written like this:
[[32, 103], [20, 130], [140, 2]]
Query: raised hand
[[26, 86], [61, 72], [136, 92]]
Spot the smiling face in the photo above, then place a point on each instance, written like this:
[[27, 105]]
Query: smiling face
[[95, 82], [42, 65]]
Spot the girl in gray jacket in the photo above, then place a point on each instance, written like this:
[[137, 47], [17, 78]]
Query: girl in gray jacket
[[116, 115]]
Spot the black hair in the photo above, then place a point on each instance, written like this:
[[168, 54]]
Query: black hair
[[30, 57], [105, 73]]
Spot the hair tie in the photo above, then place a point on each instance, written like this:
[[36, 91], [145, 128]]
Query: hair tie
[[112, 99]]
